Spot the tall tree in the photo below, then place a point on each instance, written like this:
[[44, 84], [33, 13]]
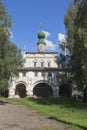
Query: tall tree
[[76, 27], [10, 55], [65, 58], [80, 37], [68, 45]]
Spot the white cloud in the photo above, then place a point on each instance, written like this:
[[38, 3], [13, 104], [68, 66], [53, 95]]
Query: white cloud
[[61, 37], [47, 33], [49, 44]]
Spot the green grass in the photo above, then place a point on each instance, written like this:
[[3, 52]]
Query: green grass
[[62, 109]]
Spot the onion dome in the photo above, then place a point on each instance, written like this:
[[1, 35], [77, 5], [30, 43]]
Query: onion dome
[[41, 37]]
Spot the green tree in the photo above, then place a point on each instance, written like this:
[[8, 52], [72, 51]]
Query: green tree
[[76, 42], [65, 58], [10, 55], [68, 45], [80, 37]]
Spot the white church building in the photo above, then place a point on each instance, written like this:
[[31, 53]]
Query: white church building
[[39, 74]]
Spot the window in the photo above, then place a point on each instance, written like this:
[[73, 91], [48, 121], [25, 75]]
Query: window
[[48, 64], [42, 64], [35, 63]]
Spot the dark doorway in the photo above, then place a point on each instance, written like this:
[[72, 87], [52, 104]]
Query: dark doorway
[[65, 90], [42, 90], [20, 90], [4, 92]]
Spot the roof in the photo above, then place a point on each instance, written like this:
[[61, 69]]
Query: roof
[[43, 69], [41, 52], [41, 37]]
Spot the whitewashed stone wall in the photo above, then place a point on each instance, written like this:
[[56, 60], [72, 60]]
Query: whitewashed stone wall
[[38, 58], [30, 79]]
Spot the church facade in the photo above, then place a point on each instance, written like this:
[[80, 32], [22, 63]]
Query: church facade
[[39, 74]]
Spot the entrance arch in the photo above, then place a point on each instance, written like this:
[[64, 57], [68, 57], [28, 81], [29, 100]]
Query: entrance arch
[[65, 90], [20, 90], [42, 90]]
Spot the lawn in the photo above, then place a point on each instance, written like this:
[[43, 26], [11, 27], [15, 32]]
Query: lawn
[[62, 109]]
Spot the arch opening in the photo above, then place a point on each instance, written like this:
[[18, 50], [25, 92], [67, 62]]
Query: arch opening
[[20, 90], [65, 90], [42, 90]]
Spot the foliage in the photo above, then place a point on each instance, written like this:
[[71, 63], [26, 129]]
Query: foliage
[[67, 45], [10, 55], [62, 109], [76, 42], [80, 45]]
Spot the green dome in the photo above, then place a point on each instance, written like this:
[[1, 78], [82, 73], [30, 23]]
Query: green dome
[[41, 41], [41, 35]]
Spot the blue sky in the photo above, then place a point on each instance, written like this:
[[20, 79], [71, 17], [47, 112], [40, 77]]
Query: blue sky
[[27, 15]]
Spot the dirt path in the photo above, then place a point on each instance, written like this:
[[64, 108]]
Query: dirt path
[[19, 117]]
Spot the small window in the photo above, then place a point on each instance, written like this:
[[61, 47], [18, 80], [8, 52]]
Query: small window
[[48, 64], [42, 64], [24, 74], [35, 63]]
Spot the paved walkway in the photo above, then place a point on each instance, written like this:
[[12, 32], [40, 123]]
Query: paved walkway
[[19, 117]]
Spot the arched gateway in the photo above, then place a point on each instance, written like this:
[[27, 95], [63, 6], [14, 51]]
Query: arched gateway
[[42, 90], [20, 90]]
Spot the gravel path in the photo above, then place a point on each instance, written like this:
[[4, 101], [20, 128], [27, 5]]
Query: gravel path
[[19, 117]]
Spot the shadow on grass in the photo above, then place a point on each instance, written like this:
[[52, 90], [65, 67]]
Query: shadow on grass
[[63, 102], [68, 123]]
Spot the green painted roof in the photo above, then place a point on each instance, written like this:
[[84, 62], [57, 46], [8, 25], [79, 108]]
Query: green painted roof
[[41, 41], [41, 37], [41, 34]]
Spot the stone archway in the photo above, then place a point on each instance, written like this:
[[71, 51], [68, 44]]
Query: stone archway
[[65, 90], [20, 90], [42, 90]]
